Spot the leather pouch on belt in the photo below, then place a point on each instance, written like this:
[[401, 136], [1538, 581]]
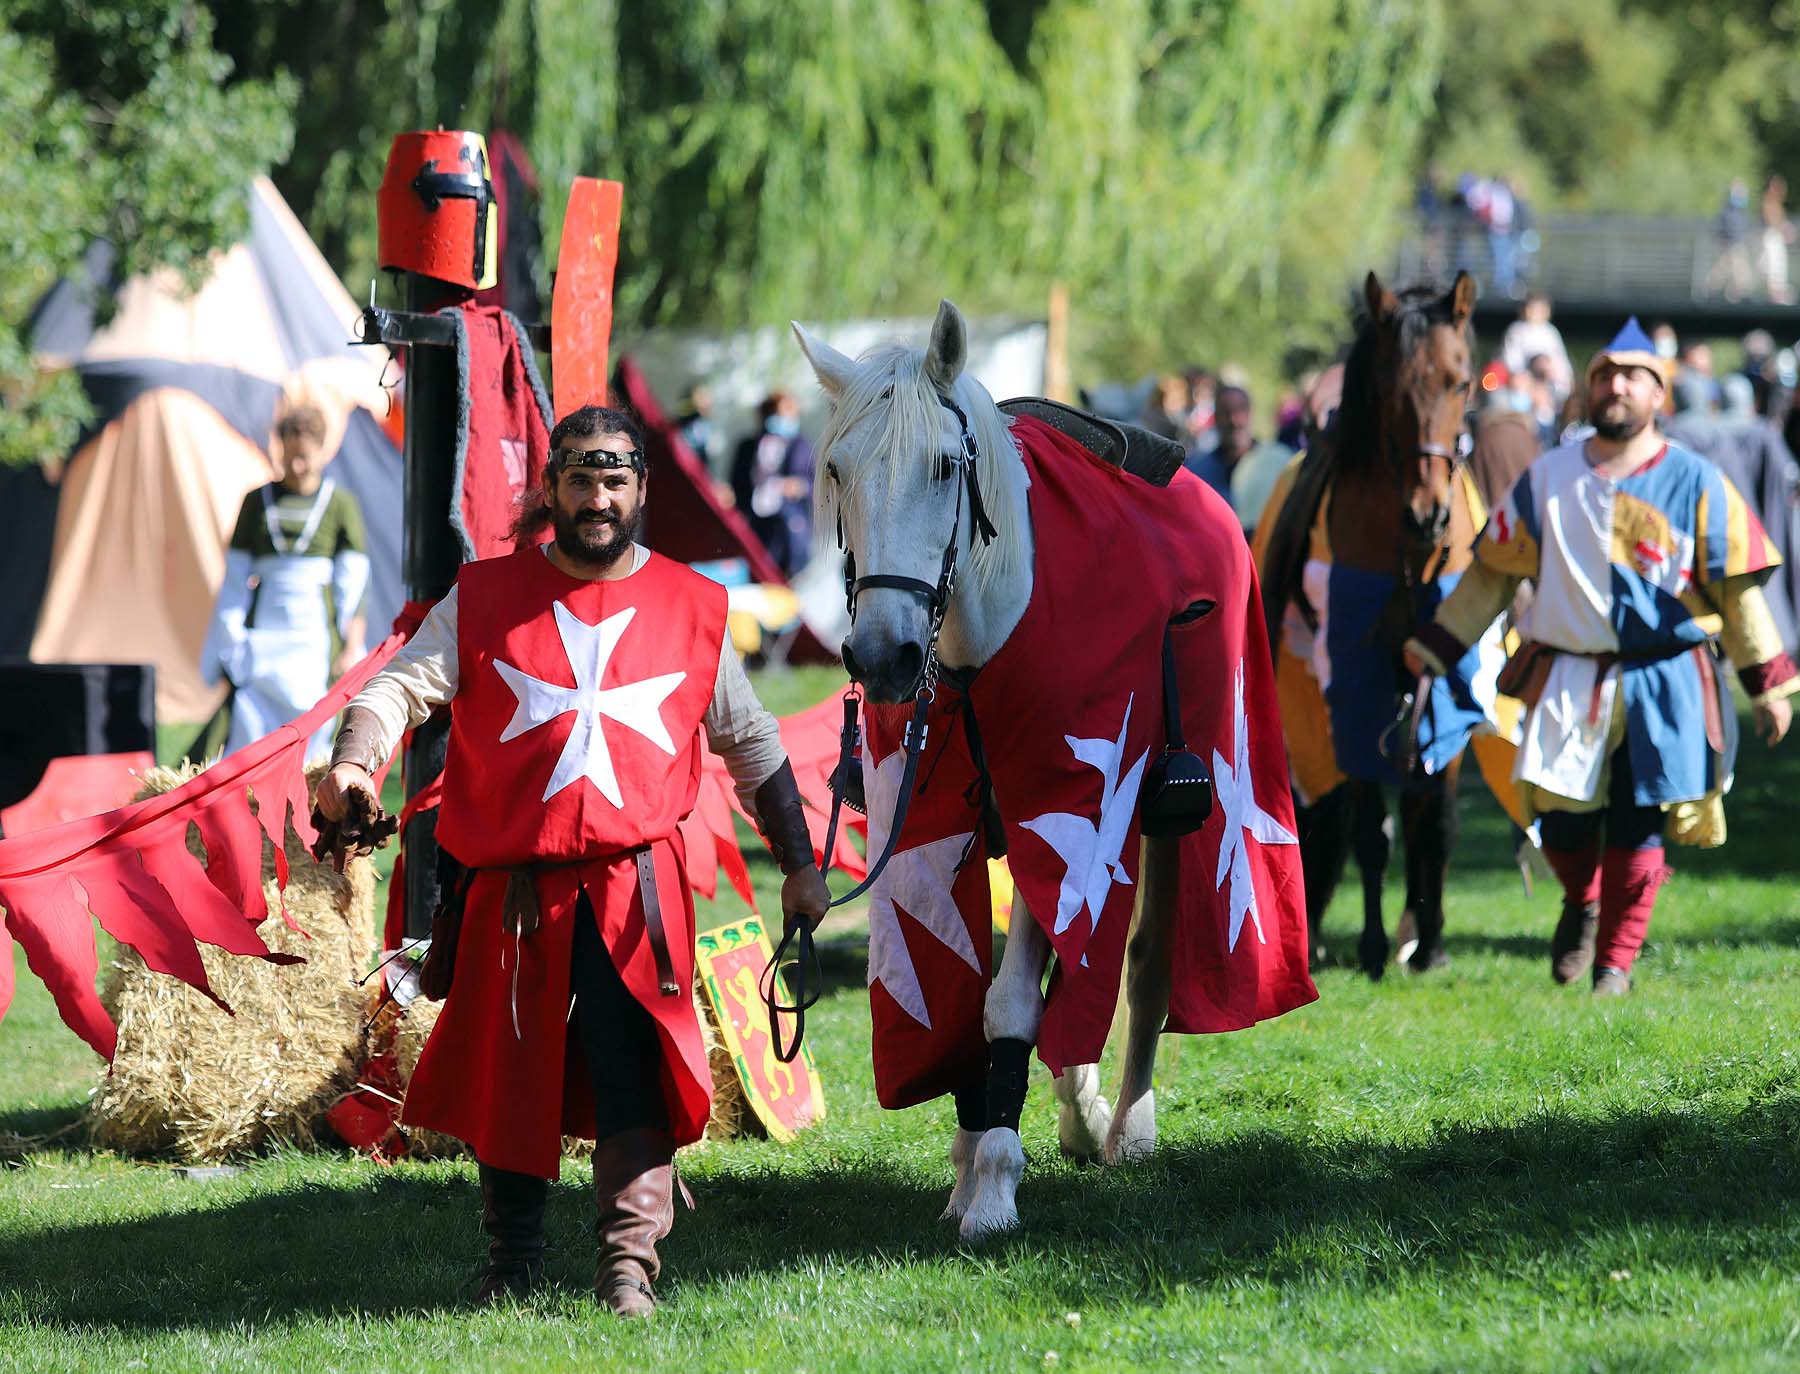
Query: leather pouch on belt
[[1524, 674], [439, 965], [519, 908]]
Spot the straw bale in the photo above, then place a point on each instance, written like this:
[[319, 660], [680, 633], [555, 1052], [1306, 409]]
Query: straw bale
[[192, 1082]]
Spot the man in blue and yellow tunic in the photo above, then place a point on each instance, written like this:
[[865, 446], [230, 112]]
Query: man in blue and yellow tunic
[[1647, 567]]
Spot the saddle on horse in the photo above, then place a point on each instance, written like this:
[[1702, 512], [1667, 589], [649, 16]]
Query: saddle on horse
[[1136, 450]]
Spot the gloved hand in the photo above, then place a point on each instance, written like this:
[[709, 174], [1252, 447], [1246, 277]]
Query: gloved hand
[[348, 816]]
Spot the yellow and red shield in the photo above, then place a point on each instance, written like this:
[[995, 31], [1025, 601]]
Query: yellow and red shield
[[786, 1098]]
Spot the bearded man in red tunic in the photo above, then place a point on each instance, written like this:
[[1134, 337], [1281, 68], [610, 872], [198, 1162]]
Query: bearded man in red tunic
[[583, 672]]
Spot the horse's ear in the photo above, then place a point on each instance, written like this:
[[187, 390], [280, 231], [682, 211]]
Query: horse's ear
[[832, 368], [1381, 301], [1462, 298], [948, 349]]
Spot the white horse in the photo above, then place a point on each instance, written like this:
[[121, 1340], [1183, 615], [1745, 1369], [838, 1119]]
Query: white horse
[[883, 458]]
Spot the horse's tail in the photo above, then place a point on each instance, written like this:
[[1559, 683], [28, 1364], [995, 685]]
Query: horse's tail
[[1290, 539]]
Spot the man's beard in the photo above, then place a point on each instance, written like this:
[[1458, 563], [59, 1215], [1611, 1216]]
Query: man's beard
[[596, 540], [1616, 421]]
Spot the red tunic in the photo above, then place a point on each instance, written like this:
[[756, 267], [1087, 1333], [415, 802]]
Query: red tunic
[[1070, 715], [575, 741]]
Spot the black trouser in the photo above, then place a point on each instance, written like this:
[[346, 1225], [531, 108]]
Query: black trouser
[[618, 1039]]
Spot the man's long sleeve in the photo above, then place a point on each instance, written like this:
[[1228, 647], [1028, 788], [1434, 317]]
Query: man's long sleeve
[[418, 679], [740, 729]]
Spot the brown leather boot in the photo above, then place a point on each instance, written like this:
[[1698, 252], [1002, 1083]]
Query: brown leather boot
[[512, 1213], [1572, 946], [634, 1185]]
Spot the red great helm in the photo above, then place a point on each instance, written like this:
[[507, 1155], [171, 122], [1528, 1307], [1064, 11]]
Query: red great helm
[[436, 208]]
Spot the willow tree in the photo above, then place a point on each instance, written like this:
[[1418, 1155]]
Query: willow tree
[[1205, 176]]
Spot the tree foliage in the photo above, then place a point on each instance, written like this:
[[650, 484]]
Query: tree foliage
[[121, 125], [1194, 170], [1206, 176], [1621, 106]]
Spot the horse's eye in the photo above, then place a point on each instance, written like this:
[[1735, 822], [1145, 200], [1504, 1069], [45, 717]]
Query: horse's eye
[[944, 469], [832, 472], [888, 395]]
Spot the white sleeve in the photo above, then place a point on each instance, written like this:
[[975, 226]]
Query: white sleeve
[[349, 581], [740, 729], [227, 643], [418, 679]]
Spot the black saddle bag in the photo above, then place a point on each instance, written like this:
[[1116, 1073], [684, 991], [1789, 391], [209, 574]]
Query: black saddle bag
[[1177, 792]]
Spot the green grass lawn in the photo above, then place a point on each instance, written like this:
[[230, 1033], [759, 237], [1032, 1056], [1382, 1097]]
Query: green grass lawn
[[1472, 1170]]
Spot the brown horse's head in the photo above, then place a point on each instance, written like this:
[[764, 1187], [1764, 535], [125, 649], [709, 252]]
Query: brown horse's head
[[1421, 378]]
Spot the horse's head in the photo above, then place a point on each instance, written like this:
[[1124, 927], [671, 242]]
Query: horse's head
[[1422, 378], [897, 489]]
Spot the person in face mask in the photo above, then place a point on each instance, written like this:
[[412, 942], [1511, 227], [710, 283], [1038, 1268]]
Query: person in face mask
[[772, 480]]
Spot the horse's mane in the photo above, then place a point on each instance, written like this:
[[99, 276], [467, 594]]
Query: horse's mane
[[1351, 442], [893, 377]]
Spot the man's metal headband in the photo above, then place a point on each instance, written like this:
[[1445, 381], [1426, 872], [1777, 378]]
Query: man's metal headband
[[561, 458]]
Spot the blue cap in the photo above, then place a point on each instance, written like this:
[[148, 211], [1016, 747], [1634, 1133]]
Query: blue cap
[[1632, 347]]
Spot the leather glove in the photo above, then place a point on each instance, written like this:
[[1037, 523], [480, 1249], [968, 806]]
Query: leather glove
[[365, 827]]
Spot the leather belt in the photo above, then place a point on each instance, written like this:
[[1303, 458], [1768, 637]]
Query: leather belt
[[519, 911], [653, 924]]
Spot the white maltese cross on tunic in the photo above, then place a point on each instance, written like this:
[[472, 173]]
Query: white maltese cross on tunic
[[635, 705]]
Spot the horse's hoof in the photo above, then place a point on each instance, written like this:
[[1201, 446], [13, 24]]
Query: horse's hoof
[[1133, 1135], [1372, 954], [1082, 1135], [999, 1165], [962, 1159], [1425, 960], [1083, 1116], [1406, 938]]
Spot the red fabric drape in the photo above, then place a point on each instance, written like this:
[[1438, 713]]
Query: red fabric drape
[[131, 869]]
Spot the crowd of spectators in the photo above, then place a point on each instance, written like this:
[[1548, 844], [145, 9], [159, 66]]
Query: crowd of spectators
[[1752, 257], [769, 476], [1477, 223], [1745, 419], [1214, 417], [1484, 224]]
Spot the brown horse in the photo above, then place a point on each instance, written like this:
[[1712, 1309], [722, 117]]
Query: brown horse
[[1372, 525]]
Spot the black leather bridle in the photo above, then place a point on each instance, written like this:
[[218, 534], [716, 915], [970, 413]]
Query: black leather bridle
[[935, 595], [959, 467]]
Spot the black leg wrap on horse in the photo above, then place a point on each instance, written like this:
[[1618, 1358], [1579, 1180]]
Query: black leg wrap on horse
[[972, 1104], [1009, 1070]]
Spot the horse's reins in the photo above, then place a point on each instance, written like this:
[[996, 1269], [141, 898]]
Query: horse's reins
[[1415, 705], [808, 976]]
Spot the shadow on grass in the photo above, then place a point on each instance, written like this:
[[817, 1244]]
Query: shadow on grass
[[28, 1130], [1717, 1191]]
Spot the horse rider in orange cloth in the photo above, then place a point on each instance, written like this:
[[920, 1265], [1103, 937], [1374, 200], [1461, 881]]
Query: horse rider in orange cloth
[[583, 671]]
